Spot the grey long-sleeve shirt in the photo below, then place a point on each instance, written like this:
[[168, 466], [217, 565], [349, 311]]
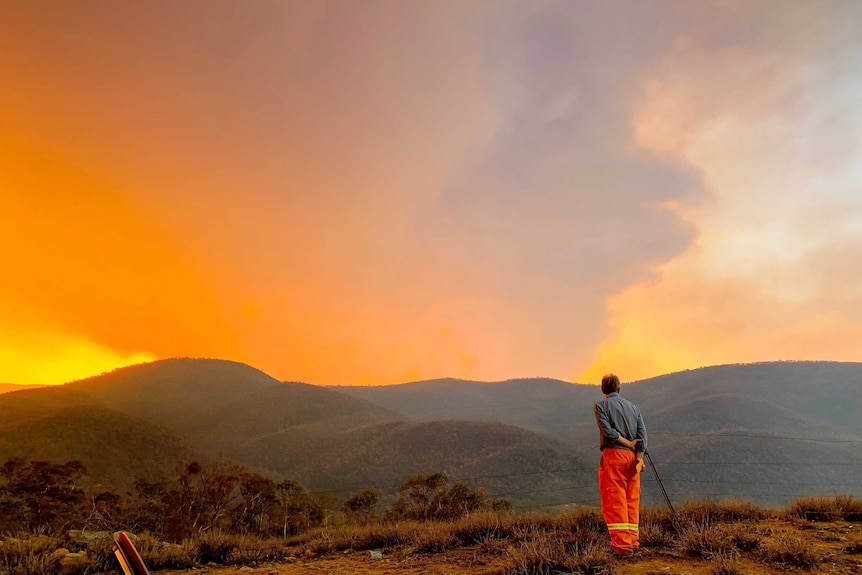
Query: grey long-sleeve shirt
[[617, 416]]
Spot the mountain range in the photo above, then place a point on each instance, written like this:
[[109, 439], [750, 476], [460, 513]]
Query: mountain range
[[765, 432]]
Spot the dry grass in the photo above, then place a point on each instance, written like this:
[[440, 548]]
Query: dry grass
[[744, 537], [544, 554], [725, 534], [790, 550], [708, 511], [726, 565], [27, 554], [656, 528], [707, 541], [827, 508]]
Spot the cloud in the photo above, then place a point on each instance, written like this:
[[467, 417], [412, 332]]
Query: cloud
[[764, 111], [560, 208]]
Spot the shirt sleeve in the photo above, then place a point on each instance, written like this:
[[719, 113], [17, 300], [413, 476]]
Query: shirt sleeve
[[641, 434], [604, 423]]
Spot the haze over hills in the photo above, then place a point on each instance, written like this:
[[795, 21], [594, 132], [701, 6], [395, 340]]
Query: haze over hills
[[323, 438], [10, 387], [171, 391], [544, 405], [766, 432], [60, 423]]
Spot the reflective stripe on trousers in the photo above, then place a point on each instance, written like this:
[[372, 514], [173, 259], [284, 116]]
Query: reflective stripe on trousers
[[620, 489]]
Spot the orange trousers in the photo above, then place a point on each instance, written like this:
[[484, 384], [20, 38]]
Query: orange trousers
[[620, 488]]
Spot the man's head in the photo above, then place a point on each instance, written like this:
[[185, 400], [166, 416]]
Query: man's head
[[610, 384]]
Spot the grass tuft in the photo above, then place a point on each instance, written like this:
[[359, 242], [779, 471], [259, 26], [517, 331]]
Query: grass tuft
[[708, 511], [726, 565], [819, 508], [28, 554], [790, 550], [545, 555], [707, 541]]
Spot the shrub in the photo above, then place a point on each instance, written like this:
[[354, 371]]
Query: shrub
[[655, 535], [729, 510], [214, 547], [101, 557], [585, 519], [545, 555], [735, 509], [790, 550], [589, 559], [30, 555], [726, 565], [433, 538], [323, 541], [851, 508], [707, 541], [481, 527], [819, 508], [252, 549], [539, 555], [815, 508], [158, 554], [743, 537]]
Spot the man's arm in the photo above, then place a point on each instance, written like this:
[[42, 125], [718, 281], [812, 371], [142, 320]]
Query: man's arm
[[642, 435], [604, 423]]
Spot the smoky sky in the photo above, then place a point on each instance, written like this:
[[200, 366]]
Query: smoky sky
[[560, 208], [368, 192]]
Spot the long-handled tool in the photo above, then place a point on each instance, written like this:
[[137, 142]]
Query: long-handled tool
[[676, 524]]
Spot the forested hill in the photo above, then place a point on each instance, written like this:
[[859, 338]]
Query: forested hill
[[138, 421], [820, 398], [766, 431]]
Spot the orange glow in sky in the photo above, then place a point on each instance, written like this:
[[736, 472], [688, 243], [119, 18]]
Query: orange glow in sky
[[371, 193]]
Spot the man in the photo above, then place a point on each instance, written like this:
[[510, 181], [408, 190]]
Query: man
[[622, 440]]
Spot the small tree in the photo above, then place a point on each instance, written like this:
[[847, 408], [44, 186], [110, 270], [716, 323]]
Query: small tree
[[360, 507], [417, 494], [257, 504], [459, 501], [299, 509], [426, 497]]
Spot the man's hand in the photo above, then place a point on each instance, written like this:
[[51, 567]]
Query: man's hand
[[626, 443]]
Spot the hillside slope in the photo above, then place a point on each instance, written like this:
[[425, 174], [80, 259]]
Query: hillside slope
[[11, 387], [544, 405], [280, 408], [770, 432], [326, 439], [526, 467], [767, 432], [114, 448], [169, 391]]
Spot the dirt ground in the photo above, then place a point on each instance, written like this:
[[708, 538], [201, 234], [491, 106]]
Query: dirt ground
[[837, 545]]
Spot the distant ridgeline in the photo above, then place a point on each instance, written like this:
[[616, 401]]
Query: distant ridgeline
[[769, 432]]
